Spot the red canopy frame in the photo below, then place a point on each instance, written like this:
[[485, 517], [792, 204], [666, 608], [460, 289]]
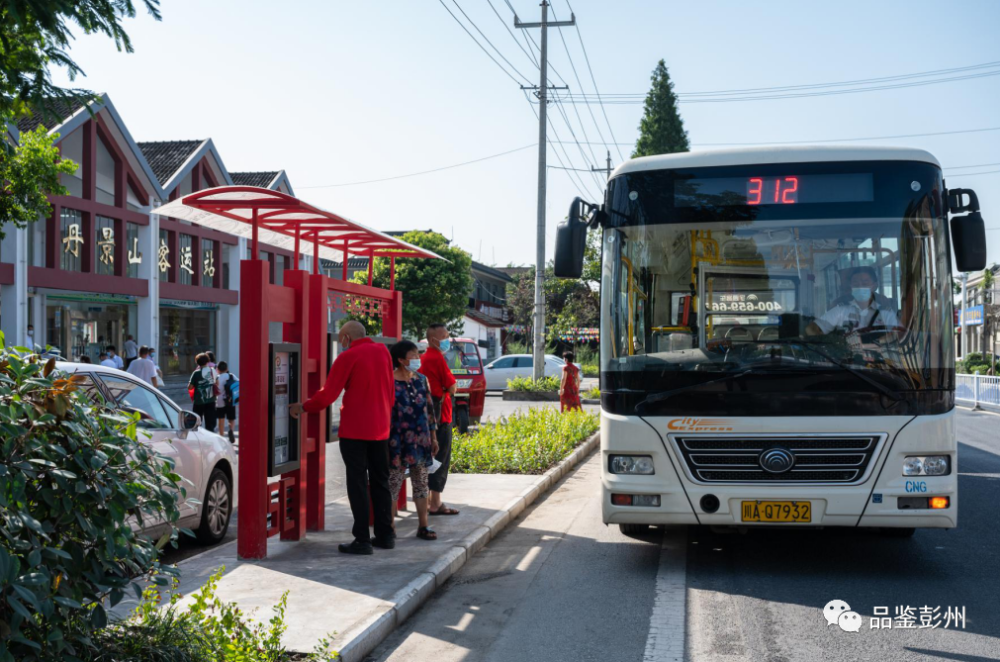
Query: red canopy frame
[[296, 502]]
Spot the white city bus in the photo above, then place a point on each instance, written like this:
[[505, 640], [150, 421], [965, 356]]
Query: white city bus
[[777, 337]]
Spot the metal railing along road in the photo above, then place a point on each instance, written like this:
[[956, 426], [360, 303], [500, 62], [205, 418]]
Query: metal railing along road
[[978, 389]]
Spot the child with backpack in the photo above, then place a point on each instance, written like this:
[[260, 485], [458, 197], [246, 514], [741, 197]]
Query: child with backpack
[[229, 397]]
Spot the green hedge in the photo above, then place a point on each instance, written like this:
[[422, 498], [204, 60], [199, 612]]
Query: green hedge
[[527, 442], [527, 384], [591, 370]]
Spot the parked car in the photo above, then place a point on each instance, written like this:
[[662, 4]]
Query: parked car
[[204, 458], [467, 366], [520, 365]]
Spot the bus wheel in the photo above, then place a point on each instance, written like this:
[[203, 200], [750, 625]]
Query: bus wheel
[[906, 532], [633, 530]]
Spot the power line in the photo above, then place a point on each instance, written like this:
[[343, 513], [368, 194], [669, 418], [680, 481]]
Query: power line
[[594, 81], [471, 36], [473, 23], [973, 174], [531, 56], [425, 172], [981, 165]]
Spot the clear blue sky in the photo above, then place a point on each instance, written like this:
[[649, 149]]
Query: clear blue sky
[[339, 92]]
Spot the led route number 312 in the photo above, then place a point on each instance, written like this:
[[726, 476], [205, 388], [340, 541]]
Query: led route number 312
[[778, 191]]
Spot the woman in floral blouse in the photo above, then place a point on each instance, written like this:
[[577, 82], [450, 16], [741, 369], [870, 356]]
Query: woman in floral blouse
[[412, 442]]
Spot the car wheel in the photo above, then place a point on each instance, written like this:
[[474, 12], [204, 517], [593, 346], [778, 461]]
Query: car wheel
[[905, 532], [633, 530], [462, 420], [217, 507]]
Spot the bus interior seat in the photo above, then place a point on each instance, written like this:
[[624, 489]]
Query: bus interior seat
[[768, 333], [739, 334]]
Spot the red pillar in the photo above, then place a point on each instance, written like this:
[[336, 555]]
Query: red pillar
[[253, 494]]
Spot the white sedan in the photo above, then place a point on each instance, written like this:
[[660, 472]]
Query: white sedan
[[519, 365], [205, 460]]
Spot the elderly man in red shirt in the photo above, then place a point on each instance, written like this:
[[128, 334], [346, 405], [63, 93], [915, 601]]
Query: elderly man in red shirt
[[363, 371], [434, 366]]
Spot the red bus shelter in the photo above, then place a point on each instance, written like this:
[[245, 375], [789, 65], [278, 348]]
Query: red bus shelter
[[302, 305]]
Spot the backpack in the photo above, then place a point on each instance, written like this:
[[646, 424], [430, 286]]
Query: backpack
[[232, 396]]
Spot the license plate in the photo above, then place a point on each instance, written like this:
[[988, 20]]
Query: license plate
[[777, 511], [463, 383]]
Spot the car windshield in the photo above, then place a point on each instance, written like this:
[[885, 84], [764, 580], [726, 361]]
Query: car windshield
[[683, 302], [462, 356]]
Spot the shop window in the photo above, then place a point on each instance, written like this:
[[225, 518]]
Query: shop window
[[225, 265], [133, 255], [185, 259], [185, 333], [71, 148], [131, 199], [105, 174], [104, 239], [209, 263], [163, 257], [73, 241]]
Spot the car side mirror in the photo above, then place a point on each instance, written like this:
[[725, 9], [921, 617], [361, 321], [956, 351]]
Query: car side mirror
[[968, 232], [490, 367], [192, 421], [571, 242]]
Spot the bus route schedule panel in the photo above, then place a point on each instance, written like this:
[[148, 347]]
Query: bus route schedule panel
[[283, 442]]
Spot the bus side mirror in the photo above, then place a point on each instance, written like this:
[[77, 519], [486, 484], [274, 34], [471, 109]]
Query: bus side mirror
[[571, 242], [968, 233]]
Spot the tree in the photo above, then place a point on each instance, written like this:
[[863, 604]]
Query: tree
[[661, 130], [434, 291], [34, 35], [29, 175], [568, 302]]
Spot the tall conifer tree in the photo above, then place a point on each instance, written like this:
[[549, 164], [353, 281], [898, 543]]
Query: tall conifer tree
[[661, 130]]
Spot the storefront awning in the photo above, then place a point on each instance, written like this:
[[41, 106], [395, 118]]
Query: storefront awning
[[286, 222]]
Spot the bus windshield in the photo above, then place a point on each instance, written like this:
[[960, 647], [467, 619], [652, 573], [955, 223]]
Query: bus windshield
[[695, 288]]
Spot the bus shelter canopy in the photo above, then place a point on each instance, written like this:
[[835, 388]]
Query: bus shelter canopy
[[284, 221]]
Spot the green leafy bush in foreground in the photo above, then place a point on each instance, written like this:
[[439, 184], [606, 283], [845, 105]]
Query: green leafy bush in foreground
[[526, 443], [528, 385], [591, 369], [72, 478]]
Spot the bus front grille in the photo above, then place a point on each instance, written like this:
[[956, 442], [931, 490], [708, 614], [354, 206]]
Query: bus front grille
[[737, 458]]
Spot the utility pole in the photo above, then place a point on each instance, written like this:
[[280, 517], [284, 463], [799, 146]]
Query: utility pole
[[538, 370], [606, 170]]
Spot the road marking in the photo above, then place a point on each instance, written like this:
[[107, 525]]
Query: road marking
[[666, 639]]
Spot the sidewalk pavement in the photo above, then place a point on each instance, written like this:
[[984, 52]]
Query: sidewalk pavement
[[359, 600]]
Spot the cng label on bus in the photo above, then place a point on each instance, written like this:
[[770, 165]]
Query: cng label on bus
[[699, 425]]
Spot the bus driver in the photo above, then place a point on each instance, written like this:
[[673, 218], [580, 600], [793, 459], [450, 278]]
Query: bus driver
[[862, 312]]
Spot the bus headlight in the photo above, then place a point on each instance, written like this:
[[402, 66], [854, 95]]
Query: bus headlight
[[631, 464], [927, 465]]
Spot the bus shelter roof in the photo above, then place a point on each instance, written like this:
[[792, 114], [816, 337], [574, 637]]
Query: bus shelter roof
[[284, 221]]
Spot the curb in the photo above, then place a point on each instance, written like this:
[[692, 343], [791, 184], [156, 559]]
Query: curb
[[363, 638]]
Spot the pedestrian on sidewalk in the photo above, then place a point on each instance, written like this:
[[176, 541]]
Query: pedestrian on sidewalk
[[434, 366], [569, 386], [114, 358], [159, 373], [143, 368], [131, 351], [202, 387], [106, 361], [225, 404], [412, 444], [363, 372]]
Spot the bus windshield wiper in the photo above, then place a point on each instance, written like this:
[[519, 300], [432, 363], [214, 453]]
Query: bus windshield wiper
[[811, 345]]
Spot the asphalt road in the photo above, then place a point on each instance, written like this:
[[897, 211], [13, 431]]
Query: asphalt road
[[558, 585]]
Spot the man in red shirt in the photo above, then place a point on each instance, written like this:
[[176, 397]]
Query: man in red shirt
[[434, 366], [363, 372]]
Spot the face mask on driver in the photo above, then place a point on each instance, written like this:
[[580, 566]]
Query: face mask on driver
[[861, 294]]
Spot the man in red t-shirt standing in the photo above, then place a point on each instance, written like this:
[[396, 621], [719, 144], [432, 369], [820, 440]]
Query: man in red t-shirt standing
[[363, 372], [434, 366]]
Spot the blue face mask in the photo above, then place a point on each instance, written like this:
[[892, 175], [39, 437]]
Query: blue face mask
[[445, 345], [414, 365], [861, 294]]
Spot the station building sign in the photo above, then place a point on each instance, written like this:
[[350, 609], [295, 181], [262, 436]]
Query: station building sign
[[973, 316]]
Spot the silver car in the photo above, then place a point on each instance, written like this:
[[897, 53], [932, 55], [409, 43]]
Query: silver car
[[520, 365], [205, 460]]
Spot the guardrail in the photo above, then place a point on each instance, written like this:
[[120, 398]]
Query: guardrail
[[978, 389]]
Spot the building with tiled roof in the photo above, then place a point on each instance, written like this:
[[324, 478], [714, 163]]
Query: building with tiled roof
[[167, 156], [275, 180]]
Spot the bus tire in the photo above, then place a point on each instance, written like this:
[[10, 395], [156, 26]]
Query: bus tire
[[633, 530], [904, 532]]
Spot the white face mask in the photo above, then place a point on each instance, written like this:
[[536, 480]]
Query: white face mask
[[414, 365], [861, 294]]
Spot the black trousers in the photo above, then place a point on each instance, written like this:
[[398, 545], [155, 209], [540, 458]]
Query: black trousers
[[367, 464], [208, 415], [437, 479]]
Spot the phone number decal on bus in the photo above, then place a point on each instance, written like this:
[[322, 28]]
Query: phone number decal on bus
[[745, 306]]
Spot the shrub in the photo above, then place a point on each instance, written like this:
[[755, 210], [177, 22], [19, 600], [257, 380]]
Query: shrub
[[593, 394], [591, 369], [529, 385], [525, 443], [72, 475], [976, 362]]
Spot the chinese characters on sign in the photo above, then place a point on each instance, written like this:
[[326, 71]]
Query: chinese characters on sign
[[186, 260], [134, 256], [163, 256], [910, 618], [209, 264], [72, 240], [107, 244]]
